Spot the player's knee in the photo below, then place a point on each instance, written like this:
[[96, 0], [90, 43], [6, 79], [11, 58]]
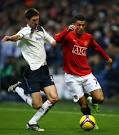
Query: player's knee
[[54, 99], [37, 106], [100, 99]]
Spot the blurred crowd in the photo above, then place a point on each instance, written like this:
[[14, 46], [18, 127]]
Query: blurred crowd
[[103, 23]]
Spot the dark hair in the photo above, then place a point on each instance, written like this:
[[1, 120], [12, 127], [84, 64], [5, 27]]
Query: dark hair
[[78, 17], [31, 12]]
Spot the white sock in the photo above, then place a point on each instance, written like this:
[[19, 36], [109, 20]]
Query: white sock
[[26, 98], [45, 107], [89, 99]]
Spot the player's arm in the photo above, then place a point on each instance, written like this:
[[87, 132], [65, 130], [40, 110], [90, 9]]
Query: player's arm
[[13, 38], [50, 39], [53, 42], [60, 36], [99, 49]]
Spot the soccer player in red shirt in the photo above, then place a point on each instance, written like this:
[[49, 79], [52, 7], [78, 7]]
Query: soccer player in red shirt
[[78, 74]]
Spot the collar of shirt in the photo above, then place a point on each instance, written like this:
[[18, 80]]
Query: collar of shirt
[[36, 29]]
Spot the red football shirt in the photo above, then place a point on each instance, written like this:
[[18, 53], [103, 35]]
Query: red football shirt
[[75, 51]]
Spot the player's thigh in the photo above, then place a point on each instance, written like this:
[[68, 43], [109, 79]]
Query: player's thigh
[[76, 90], [51, 93], [36, 100], [74, 85], [90, 83]]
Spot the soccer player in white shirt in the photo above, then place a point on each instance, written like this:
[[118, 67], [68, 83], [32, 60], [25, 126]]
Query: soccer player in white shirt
[[31, 40]]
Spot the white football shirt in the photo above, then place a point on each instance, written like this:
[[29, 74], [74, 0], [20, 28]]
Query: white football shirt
[[32, 46]]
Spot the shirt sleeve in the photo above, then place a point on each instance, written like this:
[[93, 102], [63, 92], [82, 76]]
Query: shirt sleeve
[[47, 37], [61, 36], [99, 49], [22, 32]]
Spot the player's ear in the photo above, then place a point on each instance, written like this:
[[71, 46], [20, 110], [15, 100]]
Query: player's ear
[[27, 20], [86, 24]]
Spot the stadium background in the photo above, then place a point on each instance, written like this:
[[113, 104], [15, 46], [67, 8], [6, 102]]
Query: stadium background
[[103, 23], [63, 119]]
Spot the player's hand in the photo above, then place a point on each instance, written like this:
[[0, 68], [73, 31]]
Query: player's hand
[[109, 61], [6, 38], [71, 28], [109, 64]]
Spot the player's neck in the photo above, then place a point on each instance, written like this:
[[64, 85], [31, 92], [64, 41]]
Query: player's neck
[[79, 34]]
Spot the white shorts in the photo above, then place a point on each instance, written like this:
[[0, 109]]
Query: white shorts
[[78, 85]]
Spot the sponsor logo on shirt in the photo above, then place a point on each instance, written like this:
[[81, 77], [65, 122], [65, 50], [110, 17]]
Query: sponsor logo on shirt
[[78, 50], [38, 38]]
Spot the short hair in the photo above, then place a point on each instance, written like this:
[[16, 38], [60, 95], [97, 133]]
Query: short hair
[[78, 17], [31, 12]]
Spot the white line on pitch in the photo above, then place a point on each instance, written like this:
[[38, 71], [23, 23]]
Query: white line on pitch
[[56, 112]]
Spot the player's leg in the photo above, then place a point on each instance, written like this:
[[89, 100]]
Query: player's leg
[[22, 88], [51, 93], [52, 99], [37, 103], [46, 106], [90, 85], [78, 97], [46, 84], [95, 106], [75, 87], [97, 96], [36, 100], [84, 106], [17, 88]]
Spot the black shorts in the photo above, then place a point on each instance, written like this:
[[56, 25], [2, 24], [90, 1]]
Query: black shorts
[[34, 81]]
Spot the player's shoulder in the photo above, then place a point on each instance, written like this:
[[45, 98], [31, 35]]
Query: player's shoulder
[[26, 28], [88, 35], [71, 33], [42, 29]]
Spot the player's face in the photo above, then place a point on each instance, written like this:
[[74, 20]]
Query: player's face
[[80, 27], [33, 22]]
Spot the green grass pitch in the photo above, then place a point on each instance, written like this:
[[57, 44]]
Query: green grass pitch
[[63, 119]]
